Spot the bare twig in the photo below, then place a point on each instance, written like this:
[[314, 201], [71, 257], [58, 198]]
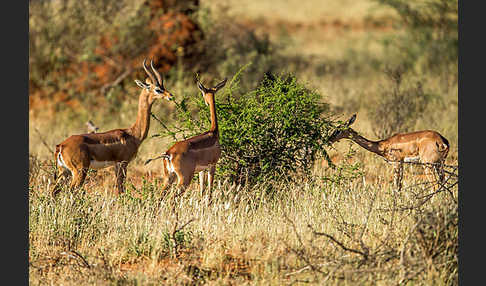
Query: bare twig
[[116, 81], [69, 254], [184, 225], [175, 230], [166, 128], [298, 271], [363, 254], [42, 140], [300, 254]]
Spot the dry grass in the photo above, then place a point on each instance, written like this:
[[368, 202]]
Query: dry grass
[[245, 236], [302, 11]]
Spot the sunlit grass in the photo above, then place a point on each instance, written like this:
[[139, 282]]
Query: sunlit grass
[[302, 11], [244, 235]]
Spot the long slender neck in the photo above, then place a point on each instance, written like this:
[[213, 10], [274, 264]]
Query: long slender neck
[[214, 119], [372, 146], [141, 126]]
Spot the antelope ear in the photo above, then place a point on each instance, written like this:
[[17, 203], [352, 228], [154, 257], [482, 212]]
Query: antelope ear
[[148, 81], [141, 84], [220, 85]]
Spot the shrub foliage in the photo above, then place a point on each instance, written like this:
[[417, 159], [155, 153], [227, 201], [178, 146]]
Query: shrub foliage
[[267, 133]]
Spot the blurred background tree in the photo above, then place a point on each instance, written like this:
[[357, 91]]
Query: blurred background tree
[[86, 51]]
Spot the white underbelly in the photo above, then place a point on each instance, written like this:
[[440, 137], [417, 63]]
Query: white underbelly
[[93, 164], [201, 168], [411, 159]]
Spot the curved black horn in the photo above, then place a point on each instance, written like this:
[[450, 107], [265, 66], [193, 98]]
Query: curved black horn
[[196, 77], [157, 74], [199, 83], [151, 76]]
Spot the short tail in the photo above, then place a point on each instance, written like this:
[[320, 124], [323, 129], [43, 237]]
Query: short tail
[[444, 147], [165, 155]]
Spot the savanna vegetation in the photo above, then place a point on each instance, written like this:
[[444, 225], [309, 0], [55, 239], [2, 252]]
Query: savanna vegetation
[[287, 207]]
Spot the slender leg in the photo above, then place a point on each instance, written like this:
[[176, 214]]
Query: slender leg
[[120, 175], [60, 180], [211, 172], [398, 175], [79, 167], [78, 178], [400, 178], [201, 182], [182, 184], [184, 180], [439, 170], [430, 172], [168, 180]]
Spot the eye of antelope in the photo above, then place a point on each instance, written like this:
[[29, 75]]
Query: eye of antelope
[[158, 90]]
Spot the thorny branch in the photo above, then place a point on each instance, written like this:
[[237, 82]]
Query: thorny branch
[[70, 253], [451, 181], [365, 255]]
